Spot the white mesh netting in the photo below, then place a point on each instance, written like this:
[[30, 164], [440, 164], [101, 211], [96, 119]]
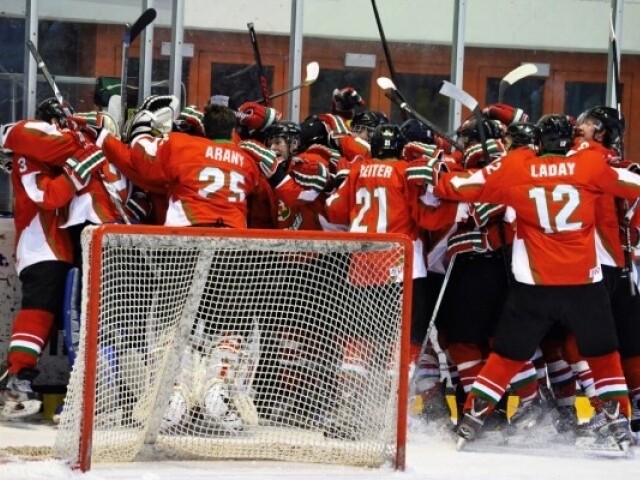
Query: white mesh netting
[[220, 347]]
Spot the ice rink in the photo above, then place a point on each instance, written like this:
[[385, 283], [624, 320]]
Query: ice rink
[[431, 454]]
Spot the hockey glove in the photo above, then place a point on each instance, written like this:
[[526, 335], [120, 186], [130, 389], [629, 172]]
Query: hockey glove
[[426, 171], [190, 121], [415, 150], [139, 206], [335, 125], [344, 101], [256, 116], [308, 174], [331, 155], [153, 103], [506, 114], [83, 162], [474, 156], [145, 122]]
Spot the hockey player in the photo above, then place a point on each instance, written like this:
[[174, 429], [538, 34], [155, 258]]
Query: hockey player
[[359, 203], [600, 130], [554, 264], [207, 179], [52, 164]]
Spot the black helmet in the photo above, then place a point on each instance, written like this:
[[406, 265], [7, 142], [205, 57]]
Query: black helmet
[[522, 134], [313, 131], [415, 131], [555, 133], [49, 109], [387, 141], [290, 131], [469, 132], [368, 120], [607, 120]]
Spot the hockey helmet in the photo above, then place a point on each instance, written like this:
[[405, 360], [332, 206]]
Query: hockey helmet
[[522, 134], [387, 141], [555, 134], [368, 120], [288, 130], [607, 120], [415, 131]]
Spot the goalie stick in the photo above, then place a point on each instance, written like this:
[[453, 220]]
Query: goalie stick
[[264, 87], [393, 94], [131, 32], [515, 75], [313, 70]]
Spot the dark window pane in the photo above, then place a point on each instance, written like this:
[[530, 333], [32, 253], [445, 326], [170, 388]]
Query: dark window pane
[[321, 91], [159, 79], [421, 92], [580, 96], [526, 94], [239, 82]]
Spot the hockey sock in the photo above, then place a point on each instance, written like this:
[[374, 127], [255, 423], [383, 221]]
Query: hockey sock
[[467, 358], [563, 383], [540, 365], [524, 384], [631, 368], [609, 380], [493, 379], [428, 373], [30, 333]]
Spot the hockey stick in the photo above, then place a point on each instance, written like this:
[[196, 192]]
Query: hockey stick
[[261, 76], [448, 89], [515, 75], [630, 210], [47, 76], [387, 53], [131, 32], [393, 94], [432, 320], [313, 70], [113, 195]]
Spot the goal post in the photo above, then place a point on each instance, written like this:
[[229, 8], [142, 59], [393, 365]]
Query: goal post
[[204, 343]]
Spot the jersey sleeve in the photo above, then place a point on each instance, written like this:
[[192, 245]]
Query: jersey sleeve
[[139, 162], [42, 142]]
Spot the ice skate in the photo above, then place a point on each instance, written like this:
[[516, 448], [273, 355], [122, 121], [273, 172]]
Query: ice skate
[[17, 398], [472, 422]]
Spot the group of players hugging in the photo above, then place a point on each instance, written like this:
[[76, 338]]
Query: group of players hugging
[[533, 225]]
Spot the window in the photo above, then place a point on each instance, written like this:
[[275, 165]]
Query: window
[[526, 94]]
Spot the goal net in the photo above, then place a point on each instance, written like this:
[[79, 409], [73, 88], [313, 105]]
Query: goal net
[[207, 343]]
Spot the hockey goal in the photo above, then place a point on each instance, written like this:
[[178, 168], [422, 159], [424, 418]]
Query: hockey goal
[[206, 343]]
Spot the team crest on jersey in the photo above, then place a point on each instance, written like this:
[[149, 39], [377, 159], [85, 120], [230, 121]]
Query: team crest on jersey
[[284, 212], [595, 272]]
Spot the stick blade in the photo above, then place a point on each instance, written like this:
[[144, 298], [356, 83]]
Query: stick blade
[[313, 70], [448, 89], [518, 73], [385, 83], [143, 21]]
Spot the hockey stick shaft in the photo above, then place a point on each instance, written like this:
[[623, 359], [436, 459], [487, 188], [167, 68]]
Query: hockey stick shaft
[[630, 210], [50, 80], [131, 32], [408, 109], [387, 53], [46, 73], [261, 75], [313, 70], [434, 315]]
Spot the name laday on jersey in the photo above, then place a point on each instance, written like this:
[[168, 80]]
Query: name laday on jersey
[[224, 155], [561, 169], [376, 170]]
